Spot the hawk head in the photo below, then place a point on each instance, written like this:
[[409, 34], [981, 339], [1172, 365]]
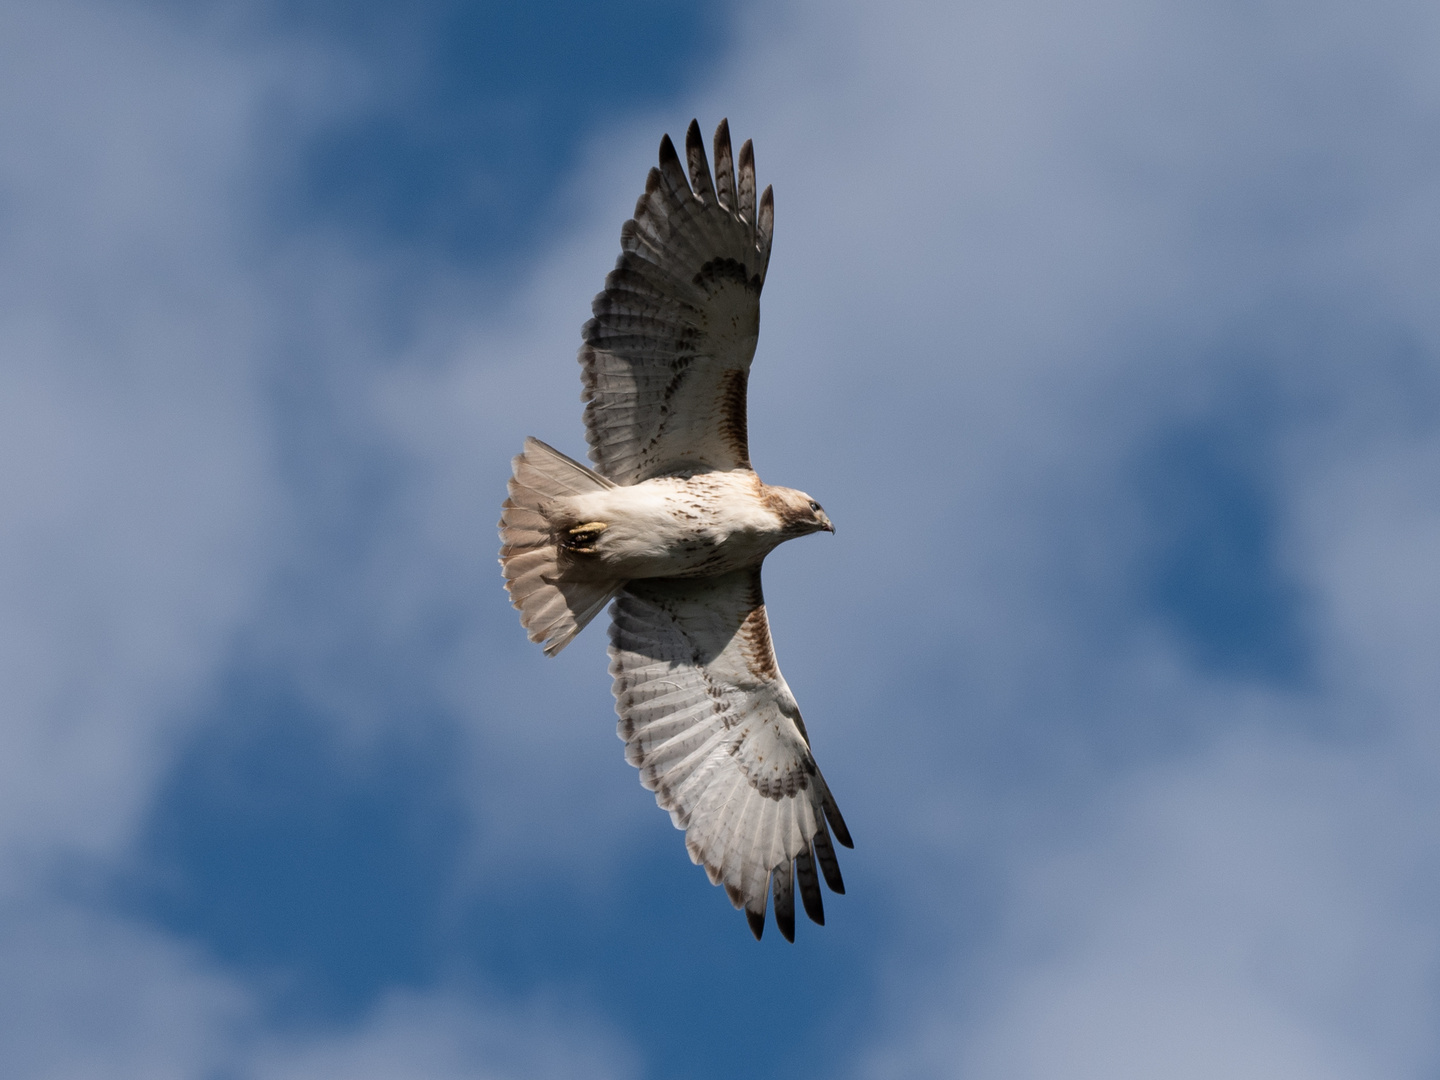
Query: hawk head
[[799, 514]]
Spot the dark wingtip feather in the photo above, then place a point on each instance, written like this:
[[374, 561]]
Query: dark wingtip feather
[[724, 166], [672, 170], [809, 887], [837, 823], [829, 865], [756, 919], [747, 182], [699, 164], [784, 901], [765, 220]]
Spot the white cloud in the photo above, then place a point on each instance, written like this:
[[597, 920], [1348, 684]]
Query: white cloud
[[143, 515], [441, 1036], [1249, 912], [138, 490], [86, 996]]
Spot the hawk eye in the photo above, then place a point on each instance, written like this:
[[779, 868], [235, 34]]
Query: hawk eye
[[814, 506]]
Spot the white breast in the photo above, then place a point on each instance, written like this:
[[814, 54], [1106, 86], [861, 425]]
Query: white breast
[[678, 527]]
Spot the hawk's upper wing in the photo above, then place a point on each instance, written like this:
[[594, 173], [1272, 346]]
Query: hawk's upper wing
[[715, 732], [667, 355]]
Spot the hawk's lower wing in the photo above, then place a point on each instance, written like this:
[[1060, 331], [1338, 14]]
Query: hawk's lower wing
[[715, 732]]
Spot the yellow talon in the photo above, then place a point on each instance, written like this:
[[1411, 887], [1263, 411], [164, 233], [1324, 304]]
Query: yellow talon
[[582, 538]]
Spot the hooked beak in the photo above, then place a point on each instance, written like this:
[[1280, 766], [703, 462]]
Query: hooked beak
[[826, 524]]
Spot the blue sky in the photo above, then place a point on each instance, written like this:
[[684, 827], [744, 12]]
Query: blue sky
[[1105, 333]]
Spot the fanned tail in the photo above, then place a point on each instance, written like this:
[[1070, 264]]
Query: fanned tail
[[554, 603]]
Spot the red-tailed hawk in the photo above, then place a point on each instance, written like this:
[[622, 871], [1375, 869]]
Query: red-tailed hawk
[[673, 525]]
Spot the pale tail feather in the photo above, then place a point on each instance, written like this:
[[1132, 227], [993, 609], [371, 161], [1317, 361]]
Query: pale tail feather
[[553, 606]]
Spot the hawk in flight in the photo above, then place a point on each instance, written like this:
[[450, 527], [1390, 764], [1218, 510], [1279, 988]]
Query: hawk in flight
[[673, 524]]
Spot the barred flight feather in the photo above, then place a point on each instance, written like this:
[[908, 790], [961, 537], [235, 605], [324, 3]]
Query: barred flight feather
[[663, 324], [710, 723]]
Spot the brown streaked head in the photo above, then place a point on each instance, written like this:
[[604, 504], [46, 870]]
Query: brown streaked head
[[798, 512]]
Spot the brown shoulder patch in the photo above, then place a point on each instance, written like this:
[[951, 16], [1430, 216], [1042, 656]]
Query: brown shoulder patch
[[731, 407], [755, 645]]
